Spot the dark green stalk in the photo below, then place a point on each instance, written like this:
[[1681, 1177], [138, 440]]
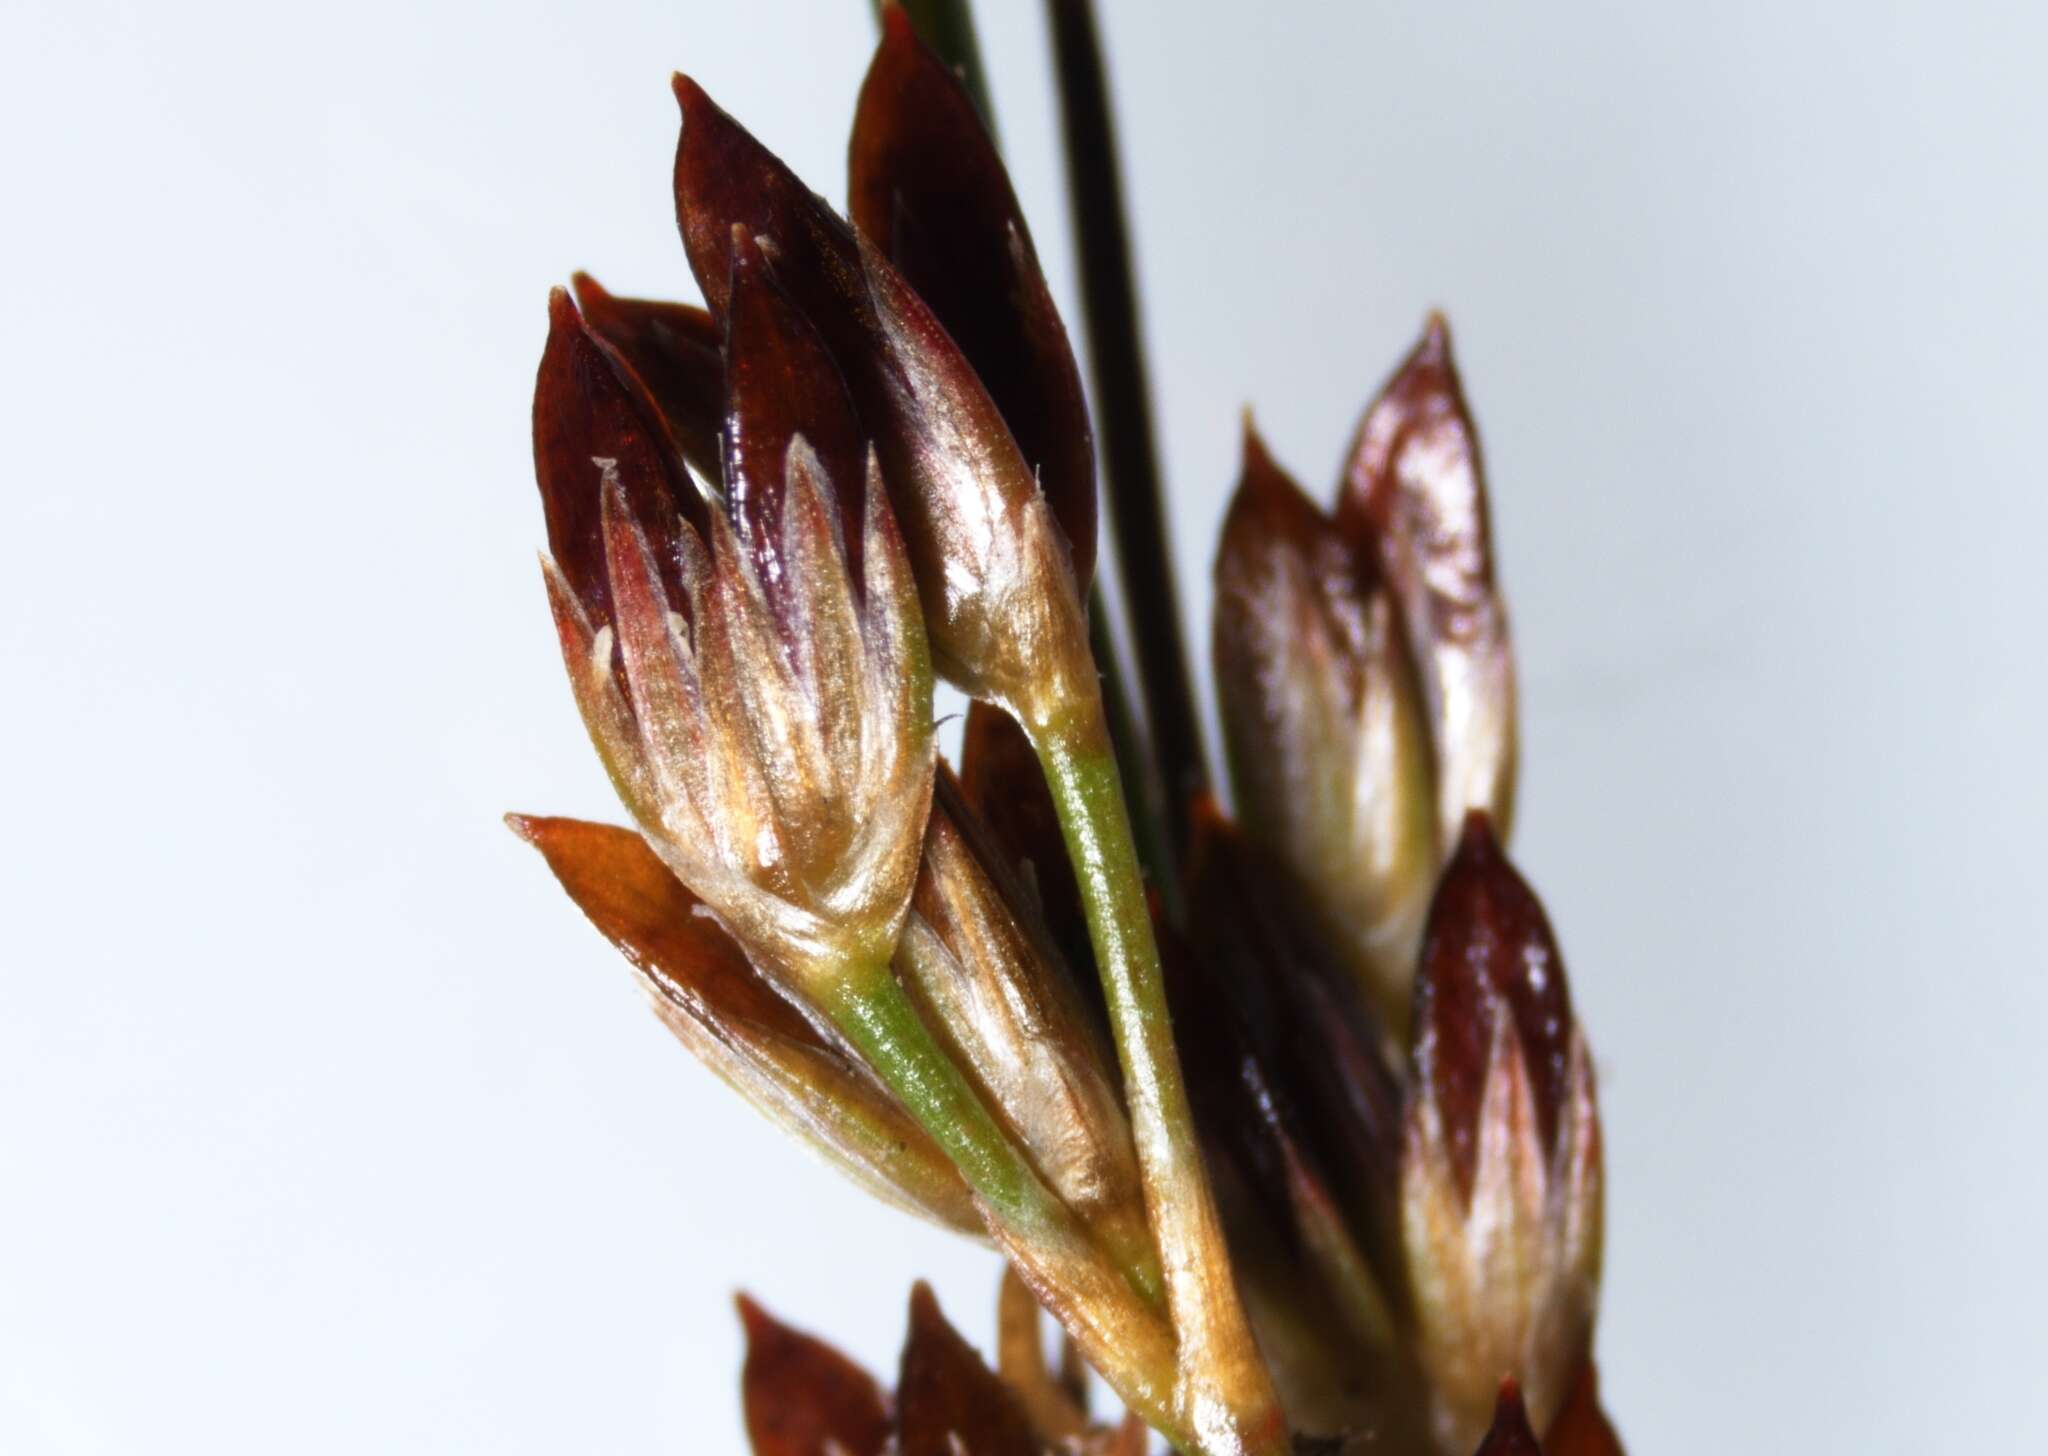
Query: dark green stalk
[[1123, 411]]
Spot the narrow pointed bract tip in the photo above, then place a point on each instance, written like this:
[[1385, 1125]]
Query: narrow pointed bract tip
[[1490, 965], [1255, 458], [1510, 1434], [1477, 840], [897, 26], [523, 826]]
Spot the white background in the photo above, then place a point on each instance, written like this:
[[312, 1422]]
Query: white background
[[326, 1125]]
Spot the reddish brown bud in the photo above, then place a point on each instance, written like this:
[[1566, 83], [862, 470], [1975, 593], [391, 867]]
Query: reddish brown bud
[[1489, 954], [1306, 1022], [928, 187], [1414, 496], [804, 1398], [1509, 1435], [1001, 607], [1328, 751], [1500, 1162], [593, 421], [947, 1400], [1320, 1310], [781, 384], [676, 350], [778, 751]]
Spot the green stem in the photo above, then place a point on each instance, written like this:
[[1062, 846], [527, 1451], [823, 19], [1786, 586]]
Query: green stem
[[876, 1016], [871, 1010], [1201, 1297]]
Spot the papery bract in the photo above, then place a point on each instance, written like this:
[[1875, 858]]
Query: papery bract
[[1328, 750], [1005, 1008], [927, 186], [1501, 1161], [678, 352], [1414, 496], [700, 984]]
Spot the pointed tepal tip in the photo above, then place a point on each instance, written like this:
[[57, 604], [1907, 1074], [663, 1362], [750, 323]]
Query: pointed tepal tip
[[689, 95], [562, 312], [1510, 1434], [1477, 842], [1253, 452], [527, 828], [1260, 476], [1488, 952], [1436, 336], [924, 1306], [1269, 503], [755, 1321], [897, 29]]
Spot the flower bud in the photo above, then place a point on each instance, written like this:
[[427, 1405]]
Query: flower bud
[[1299, 1120], [929, 189], [786, 727], [1328, 749], [1306, 1023], [991, 987], [1414, 497], [767, 716], [780, 383], [947, 1400], [700, 984], [1500, 1164], [594, 420], [1001, 605], [802, 1397], [678, 352]]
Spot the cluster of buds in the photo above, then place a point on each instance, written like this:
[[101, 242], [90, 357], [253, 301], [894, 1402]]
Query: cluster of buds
[[1362, 661], [1288, 1124]]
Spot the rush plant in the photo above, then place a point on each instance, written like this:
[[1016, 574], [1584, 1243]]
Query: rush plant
[[1280, 1110]]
